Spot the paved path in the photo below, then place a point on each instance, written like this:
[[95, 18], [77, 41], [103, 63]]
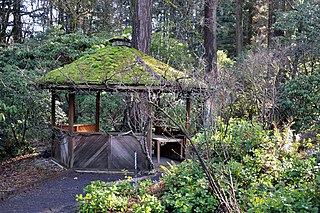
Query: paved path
[[56, 195]]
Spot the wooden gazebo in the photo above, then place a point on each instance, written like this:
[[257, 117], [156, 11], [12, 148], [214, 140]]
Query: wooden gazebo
[[112, 68]]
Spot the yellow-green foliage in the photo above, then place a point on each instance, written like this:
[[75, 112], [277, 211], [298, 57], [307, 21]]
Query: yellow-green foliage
[[223, 60], [113, 65]]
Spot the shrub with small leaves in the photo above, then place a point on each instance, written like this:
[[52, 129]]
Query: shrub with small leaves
[[269, 172], [124, 196], [187, 189]]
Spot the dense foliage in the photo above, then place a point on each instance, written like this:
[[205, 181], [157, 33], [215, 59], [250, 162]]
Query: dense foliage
[[270, 170], [24, 108], [125, 196], [299, 100], [267, 171], [186, 189]]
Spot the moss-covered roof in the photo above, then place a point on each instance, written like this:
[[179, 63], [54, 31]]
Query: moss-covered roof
[[112, 65]]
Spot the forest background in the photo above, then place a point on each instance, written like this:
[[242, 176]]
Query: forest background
[[268, 55]]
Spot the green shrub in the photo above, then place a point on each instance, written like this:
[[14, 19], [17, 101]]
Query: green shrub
[[237, 139], [265, 170], [300, 101], [187, 189], [119, 197], [269, 172], [282, 198]]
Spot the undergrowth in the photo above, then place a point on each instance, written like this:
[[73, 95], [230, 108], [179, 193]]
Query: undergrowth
[[266, 171]]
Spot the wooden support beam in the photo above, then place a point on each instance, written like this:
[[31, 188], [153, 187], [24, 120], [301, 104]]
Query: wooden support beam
[[53, 119], [157, 110], [70, 128], [149, 134], [188, 109], [98, 112], [71, 111], [53, 108]]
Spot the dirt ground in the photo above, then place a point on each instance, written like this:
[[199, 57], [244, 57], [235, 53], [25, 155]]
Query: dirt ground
[[24, 170]]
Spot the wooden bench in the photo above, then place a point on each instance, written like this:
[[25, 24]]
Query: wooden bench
[[163, 139]]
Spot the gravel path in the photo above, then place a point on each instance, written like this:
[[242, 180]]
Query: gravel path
[[56, 195]]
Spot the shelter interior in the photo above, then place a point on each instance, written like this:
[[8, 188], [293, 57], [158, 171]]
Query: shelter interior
[[134, 139]]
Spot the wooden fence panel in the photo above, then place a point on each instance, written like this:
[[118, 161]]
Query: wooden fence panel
[[122, 153], [91, 151], [60, 146], [101, 151]]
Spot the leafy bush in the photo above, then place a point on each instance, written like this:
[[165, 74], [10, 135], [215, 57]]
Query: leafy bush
[[269, 173], [300, 100], [236, 139], [184, 188], [187, 189], [120, 197], [264, 170], [25, 110]]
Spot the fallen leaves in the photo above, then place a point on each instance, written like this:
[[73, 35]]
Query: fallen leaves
[[21, 171]]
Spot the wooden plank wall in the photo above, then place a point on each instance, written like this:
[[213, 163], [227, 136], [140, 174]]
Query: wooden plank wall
[[102, 151], [122, 153], [60, 146], [91, 151]]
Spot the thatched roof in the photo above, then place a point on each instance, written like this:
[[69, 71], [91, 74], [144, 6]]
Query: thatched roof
[[114, 67]]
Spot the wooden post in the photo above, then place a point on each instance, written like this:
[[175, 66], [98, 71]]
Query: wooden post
[[70, 128], [149, 134], [157, 110], [188, 107], [53, 119], [98, 112], [53, 108]]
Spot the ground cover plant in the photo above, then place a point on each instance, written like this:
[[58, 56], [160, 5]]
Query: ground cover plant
[[269, 172], [124, 196]]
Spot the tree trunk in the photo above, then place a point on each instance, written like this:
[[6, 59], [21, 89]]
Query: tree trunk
[[269, 32], [211, 68], [279, 7], [140, 110], [273, 7], [61, 19], [4, 18], [210, 37], [239, 26], [250, 22], [17, 23], [141, 25]]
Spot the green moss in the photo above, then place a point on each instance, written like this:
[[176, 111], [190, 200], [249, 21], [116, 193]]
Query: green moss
[[113, 65]]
